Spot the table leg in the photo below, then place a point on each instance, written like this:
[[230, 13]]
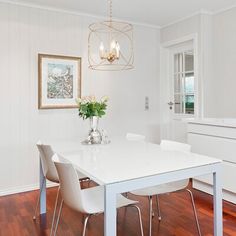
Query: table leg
[[42, 185], [109, 212], [217, 190]]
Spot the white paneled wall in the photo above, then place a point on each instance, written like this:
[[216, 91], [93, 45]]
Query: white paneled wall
[[25, 32], [223, 63]]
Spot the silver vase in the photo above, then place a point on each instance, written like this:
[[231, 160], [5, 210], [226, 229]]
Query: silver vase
[[95, 136]]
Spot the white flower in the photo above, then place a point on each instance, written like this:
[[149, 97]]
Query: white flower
[[92, 99], [104, 99], [85, 99], [78, 101]]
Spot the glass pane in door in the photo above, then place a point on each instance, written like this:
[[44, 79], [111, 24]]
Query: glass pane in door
[[189, 83], [184, 82], [189, 104], [189, 61]]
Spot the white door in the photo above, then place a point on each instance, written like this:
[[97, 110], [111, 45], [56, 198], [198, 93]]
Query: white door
[[181, 99]]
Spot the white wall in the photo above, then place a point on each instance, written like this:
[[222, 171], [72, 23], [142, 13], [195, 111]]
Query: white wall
[[25, 32], [224, 63], [180, 29]]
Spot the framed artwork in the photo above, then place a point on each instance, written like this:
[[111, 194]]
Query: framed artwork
[[59, 81]]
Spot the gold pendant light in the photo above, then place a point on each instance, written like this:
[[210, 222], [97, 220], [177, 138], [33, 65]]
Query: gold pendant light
[[110, 45]]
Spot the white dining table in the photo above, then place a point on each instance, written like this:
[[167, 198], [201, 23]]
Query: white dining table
[[123, 166]]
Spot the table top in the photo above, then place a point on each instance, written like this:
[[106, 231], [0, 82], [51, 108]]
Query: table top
[[123, 160]]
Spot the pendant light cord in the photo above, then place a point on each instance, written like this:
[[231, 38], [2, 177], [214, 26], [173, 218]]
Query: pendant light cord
[[110, 10]]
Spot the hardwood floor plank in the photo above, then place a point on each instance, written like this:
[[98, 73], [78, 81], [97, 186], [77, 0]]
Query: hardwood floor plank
[[16, 212]]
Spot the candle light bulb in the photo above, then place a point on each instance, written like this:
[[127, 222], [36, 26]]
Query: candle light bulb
[[117, 50], [101, 50], [112, 45]]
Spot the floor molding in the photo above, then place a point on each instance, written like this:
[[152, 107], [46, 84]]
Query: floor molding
[[24, 188]]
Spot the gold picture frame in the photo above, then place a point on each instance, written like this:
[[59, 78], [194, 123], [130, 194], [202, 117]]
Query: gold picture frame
[[59, 81]]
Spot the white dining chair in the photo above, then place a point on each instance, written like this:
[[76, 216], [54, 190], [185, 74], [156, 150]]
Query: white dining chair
[[169, 187], [50, 172], [89, 201]]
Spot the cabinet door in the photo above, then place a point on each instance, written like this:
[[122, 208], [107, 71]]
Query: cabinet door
[[221, 148], [229, 177]]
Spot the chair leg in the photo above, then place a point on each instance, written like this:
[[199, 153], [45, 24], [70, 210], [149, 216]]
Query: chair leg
[[158, 208], [58, 217], [37, 204], [194, 210], [54, 212], [140, 218], [150, 215], [85, 224]]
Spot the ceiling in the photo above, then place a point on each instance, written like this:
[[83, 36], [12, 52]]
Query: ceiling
[[154, 12]]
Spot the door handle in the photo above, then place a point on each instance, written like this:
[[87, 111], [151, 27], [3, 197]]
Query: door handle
[[170, 105]]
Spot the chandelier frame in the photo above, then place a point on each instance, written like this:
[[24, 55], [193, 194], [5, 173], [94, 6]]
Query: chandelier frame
[[115, 31]]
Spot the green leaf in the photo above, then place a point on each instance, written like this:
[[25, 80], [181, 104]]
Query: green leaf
[[89, 109]]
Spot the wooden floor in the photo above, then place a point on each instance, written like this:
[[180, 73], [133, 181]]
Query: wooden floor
[[16, 213]]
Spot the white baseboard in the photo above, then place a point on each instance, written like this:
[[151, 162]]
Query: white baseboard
[[24, 188]]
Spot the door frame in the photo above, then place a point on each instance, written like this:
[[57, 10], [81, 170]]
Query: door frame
[[165, 88]]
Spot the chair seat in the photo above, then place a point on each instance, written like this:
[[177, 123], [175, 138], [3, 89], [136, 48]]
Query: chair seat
[[95, 199], [162, 188]]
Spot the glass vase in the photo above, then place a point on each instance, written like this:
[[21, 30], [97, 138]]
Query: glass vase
[[95, 136]]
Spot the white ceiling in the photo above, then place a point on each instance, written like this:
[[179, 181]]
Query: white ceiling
[[154, 12]]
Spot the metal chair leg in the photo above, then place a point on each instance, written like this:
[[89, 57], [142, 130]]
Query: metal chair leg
[[153, 213], [158, 208], [140, 218], [54, 212], [58, 217], [85, 224], [37, 204], [194, 210], [150, 215]]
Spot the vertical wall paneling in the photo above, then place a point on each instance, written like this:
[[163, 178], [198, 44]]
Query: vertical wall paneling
[[27, 31]]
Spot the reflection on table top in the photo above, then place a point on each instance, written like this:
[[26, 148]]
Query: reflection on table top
[[124, 160]]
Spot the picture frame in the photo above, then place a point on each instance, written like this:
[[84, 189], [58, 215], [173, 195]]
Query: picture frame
[[59, 81]]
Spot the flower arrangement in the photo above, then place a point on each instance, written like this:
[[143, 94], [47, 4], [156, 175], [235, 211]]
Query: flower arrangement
[[89, 106]]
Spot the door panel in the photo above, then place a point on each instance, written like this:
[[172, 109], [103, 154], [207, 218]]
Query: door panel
[[181, 88]]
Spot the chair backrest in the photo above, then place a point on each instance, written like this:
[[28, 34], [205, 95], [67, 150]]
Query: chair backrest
[[135, 137], [69, 184], [175, 146], [49, 169]]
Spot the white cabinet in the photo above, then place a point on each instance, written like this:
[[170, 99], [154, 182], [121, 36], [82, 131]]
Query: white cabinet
[[218, 140]]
